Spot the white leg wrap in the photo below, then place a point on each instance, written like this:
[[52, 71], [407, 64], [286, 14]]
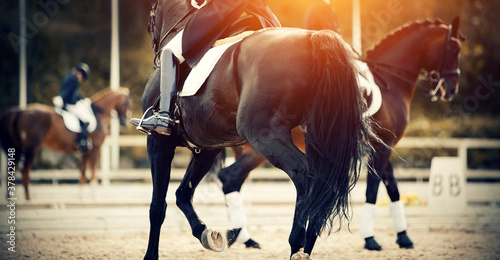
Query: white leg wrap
[[175, 46], [366, 225], [398, 216], [235, 211], [236, 215]]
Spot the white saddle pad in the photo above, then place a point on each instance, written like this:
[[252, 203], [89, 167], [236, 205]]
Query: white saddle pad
[[367, 85], [202, 70], [71, 121]]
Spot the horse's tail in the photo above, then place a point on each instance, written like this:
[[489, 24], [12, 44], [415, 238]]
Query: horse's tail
[[335, 132], [9, 134]]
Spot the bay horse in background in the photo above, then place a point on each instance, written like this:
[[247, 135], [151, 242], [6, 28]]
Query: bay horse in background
[[262, 87], [429, 49], [39, 125]]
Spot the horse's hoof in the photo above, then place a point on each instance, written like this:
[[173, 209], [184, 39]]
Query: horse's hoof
[[404, 241], [300, 256], [213, 240], [252, 244], [232, 235], [371, 244]]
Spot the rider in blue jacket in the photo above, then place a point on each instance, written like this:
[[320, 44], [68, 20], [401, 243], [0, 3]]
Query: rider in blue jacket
[[71, 83], [71, 97]]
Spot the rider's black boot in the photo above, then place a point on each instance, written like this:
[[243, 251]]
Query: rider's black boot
[[83, 142], [163, 121]]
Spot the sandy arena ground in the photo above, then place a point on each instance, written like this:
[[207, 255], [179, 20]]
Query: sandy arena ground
[[57, 224], [432, 244]]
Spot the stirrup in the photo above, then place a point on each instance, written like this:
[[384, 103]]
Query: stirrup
[[139, 126]]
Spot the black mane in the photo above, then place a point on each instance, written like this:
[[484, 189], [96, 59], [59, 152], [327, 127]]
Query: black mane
[[401, 32]]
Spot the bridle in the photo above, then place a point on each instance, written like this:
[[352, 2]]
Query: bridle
[[435, 77]]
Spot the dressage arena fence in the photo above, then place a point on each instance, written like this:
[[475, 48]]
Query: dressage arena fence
[[107, 175]]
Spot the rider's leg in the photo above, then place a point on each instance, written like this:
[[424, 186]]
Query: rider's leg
[[83, 141], [78, 109], [170, 58]]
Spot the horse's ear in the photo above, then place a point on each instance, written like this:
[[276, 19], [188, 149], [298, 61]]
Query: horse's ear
[[454, 29], [454, 26]]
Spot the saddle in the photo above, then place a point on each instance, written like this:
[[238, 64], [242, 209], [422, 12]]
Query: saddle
[[72, 121], [202, 70]]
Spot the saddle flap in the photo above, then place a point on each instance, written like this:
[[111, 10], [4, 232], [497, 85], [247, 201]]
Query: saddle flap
[[72, 121], [202, 70]]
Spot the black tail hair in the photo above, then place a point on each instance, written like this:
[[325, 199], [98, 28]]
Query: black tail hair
[[336, 133]]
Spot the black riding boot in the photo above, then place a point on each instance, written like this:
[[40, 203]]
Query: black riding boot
[[163, 121], [83, 143]]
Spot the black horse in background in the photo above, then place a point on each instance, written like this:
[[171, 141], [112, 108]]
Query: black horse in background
[[262, 87]]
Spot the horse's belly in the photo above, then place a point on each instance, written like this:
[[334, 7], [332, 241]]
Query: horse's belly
[[205, 134], [210, 124]]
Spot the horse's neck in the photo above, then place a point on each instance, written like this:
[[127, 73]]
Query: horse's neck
[[405, 55], [105, 105]]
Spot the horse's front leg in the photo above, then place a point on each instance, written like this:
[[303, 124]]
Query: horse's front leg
[[83, 169], [375, 174], [93, 159], [396, 209], [383, 168], [83, 178], [200, 164], [161, 151]]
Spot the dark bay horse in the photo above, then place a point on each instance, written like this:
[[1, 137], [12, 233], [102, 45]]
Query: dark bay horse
[[430, 48], [39, 125], [262, 87]]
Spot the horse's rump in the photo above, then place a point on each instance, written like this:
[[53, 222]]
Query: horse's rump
[[8, 129]]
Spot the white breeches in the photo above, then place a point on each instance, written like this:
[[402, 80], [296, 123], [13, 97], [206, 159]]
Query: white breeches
[[82, 110]]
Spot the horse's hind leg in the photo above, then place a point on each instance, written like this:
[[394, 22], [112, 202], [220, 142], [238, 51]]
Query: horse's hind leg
[[232, 179], [29, 158], [200, 164], [161, 151], [278, 148]]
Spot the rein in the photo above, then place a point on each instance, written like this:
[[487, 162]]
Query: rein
[[435, 77]]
